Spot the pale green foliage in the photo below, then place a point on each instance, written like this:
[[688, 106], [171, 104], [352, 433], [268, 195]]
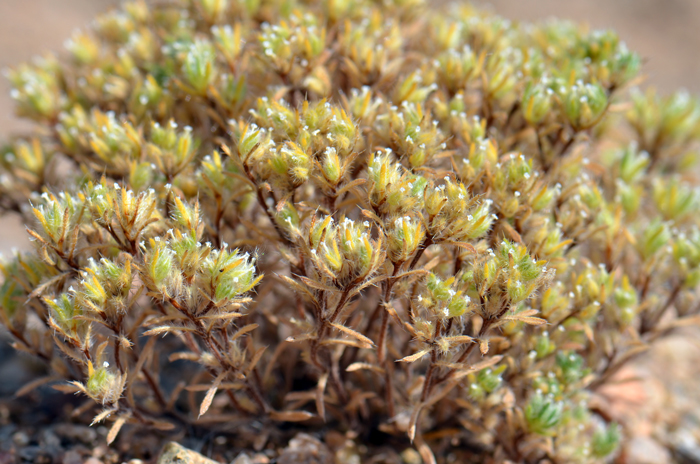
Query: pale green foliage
[[543, 414]]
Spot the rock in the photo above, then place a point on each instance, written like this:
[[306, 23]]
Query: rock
[[242, 459], [686, 448], [48, 439], [305, 449], [6, 433], [72, 457], [20, 439], [645, 450], [174, 453], [34, 454], [411, 456], [245, 458], [75, 432]]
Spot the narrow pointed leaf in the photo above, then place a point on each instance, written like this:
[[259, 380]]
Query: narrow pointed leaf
[[415, 356], [353, 333], [114, 431], [209, 397]]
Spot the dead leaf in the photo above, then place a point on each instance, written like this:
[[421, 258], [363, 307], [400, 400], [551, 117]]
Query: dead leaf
[[28, 387], [320, 390], [415, 356], [353, 333], [102, 416], [357, 366], [206, 402], [243, 330], [290, 416], [115, 429]]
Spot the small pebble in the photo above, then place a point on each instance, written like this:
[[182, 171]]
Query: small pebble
[[20, 439], [81, 433], [72, 457], [242, 459], [411, 456], [174, 453], [49, 439], [305, 449], [645, 450]]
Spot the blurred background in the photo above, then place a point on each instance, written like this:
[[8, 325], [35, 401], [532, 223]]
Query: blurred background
[[664, 32]]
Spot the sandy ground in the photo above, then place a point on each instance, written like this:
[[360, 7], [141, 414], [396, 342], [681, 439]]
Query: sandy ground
[[29, 28], [665, 32]]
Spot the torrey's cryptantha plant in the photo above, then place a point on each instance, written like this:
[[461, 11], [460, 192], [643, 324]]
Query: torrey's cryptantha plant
[[357, 216]]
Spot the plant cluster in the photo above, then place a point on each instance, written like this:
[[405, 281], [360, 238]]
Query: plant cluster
[[362, 216]]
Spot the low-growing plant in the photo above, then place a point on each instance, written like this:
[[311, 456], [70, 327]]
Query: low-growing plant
[[440, 228]]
